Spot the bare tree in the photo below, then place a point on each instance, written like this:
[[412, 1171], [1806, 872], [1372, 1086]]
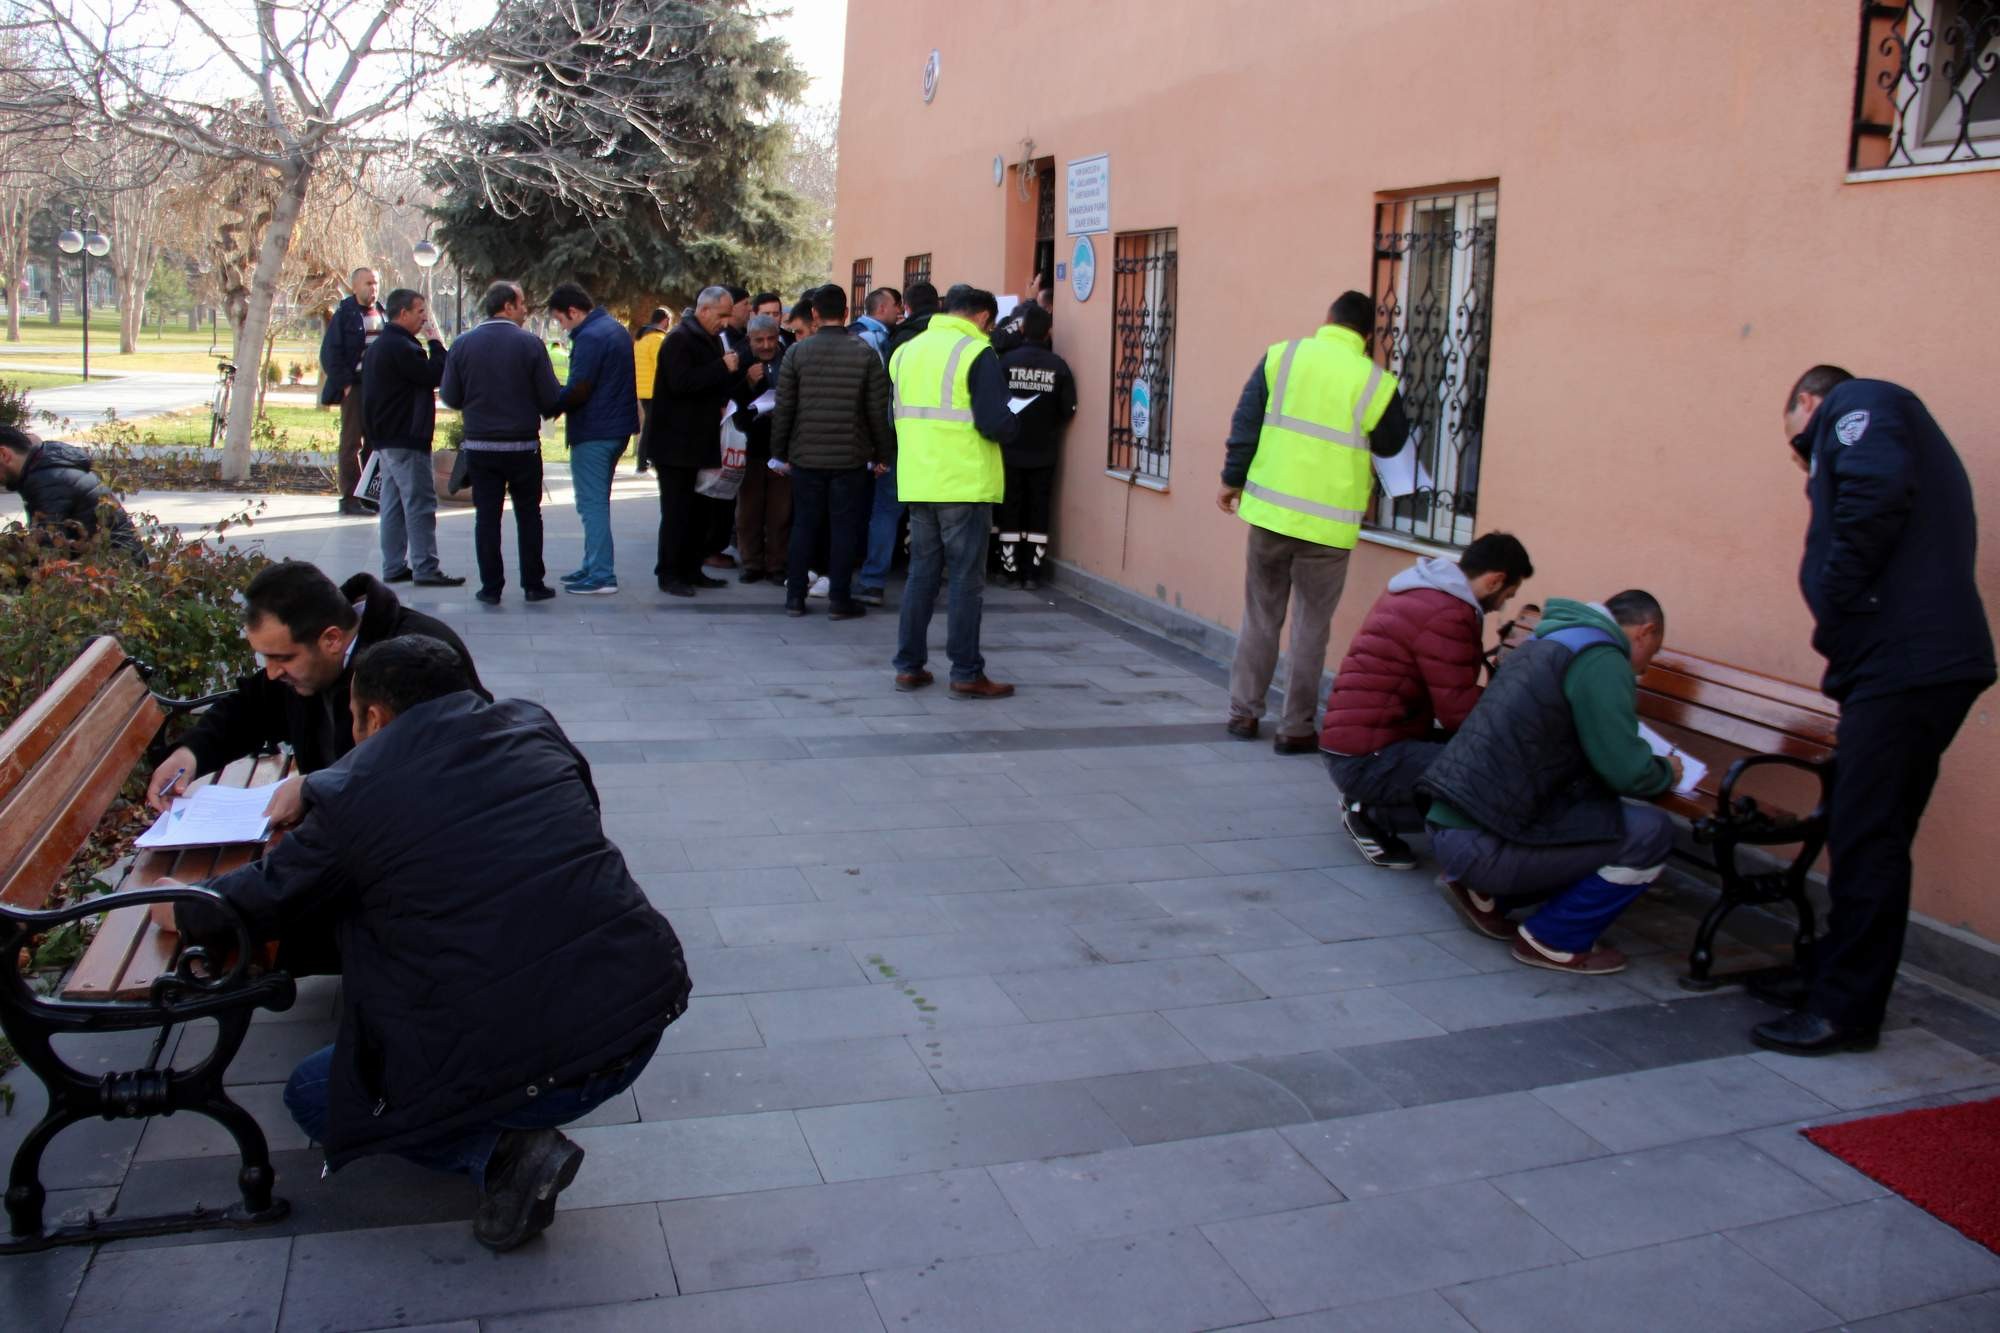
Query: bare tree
[[300, 89]]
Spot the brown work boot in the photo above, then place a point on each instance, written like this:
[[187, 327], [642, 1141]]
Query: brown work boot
[[980, 688], [1483, 914], [1243, 728], [1597, 962], [913, 680]]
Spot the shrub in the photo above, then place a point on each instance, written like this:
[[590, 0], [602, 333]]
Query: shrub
[[272, 375], [14, 407]]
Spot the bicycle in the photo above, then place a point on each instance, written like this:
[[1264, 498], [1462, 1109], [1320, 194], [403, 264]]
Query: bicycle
[[218, 419]]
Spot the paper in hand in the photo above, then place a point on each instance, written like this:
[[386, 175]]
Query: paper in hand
[[211, 817], [1401, 473], [1692, 769]]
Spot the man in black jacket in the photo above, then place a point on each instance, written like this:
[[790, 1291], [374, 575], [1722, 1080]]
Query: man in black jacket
[[60, 493], [830, 430], [1889, 575], [684, 434], [500, 376], [1036, 373], [399, 381], [494, 988], [764, 503], [354, 325]]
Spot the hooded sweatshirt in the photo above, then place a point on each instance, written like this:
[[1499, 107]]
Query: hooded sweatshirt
[[1412, 670], [62, 494]]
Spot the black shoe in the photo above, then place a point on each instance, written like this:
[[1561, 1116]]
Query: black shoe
[[403, 577], [751, 576], [518, 1198], [846, 611], [1377, 844], [704, 581], [1805, 1033], [490, 598], [868, 596], [675, 588], [795, 606], [541, 593], [441, 581]]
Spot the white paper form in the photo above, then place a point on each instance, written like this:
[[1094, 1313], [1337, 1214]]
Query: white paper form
[[1692, 769], [766, 401], [1017, 405], [212, 816], [1401, 474]]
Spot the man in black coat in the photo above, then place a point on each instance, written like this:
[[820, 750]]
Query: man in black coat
[[1889, 575], [495, 987], [400, 375], [684, 434], [60, 493], [1036, 373], [355, 324]]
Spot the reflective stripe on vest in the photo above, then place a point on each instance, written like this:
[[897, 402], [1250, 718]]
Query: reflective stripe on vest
[[941, 458], [904, 412], [1311, 477], [1275, 417], [1301, 505]]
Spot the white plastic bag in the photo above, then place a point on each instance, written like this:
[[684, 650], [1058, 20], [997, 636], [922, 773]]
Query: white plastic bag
[[722, 483]]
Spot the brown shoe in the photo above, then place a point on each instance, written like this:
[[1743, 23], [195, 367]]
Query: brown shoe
[[1284, 744], [1595, 963], [1243, 728], [1483, 914], [980, 688], [913, 680]]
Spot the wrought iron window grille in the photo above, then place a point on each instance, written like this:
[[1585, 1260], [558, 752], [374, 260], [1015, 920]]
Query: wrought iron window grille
[[916, 269], [864, 279], [1927, 85], [1433, 289], [1144, 269]]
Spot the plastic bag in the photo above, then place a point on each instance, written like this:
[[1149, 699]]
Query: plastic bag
[[722, 483]]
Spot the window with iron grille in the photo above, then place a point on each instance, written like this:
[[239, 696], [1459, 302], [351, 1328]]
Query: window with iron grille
[[1927, 85], [864, 278], [916, 269], [1143, 279], [1433, 317]]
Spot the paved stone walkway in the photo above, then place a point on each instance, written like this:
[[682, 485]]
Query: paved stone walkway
[[1054, 1013], [128, 394]]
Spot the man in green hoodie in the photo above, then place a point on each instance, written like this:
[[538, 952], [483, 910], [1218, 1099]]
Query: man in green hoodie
[[1527, 799]]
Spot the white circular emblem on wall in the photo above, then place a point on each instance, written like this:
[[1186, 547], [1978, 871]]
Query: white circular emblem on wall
[[1850, 427], [999, 169], [931, 75], [1083, 269]]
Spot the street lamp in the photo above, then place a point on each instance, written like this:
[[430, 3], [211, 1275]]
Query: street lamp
[[83, 237], [426, 256]]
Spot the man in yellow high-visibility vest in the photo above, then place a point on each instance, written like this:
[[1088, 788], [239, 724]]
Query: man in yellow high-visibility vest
[[949, 400], [1298, 472]]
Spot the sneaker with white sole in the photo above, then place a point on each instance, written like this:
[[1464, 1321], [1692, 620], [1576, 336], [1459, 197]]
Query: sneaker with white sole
[[1478, 911], [821, 585], [1595, 962], [590, 588], [1381, 847]]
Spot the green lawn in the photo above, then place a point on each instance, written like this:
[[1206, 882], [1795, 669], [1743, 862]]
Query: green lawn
[[311, 429], [38, 379]]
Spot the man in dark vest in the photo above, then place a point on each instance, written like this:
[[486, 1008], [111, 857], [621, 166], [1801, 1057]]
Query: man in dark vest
[[1526, 798]]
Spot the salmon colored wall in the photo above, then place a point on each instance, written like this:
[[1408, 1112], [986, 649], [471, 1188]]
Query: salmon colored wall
[[1676, 242]]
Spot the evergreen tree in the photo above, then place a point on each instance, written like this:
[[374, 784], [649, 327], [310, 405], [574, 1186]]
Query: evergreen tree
[[694, 118]]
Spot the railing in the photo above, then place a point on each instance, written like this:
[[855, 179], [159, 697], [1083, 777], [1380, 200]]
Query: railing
[[1144, 279], [1927, 85]]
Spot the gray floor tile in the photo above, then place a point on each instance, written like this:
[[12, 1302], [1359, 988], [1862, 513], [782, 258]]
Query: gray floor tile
[[1305, 852], [1045, 907], [415, 1274], [236, 1284], [1620, 1203], [712, 1023], [1627, 1112], [1046, 1052], [679, 1087], [1703, 1283], [725, 888], [786, 849], [1686, 1029], [911, 879], [1129, 1191], [942, 1004], [768, 967], [1022, 948], [1271, 888], [1425, 1312], [1193, 933], [1909, 1063], [1518, 996], [815, 923], [937, 844], [1083, 992], [1341, 914], [941, 1133], [1300, 1023], [1967, 1314], [190, 1135], [1371, 1249], [268, 1055], [1195, 1100], [1483, 1061], [37, 1290], [1348, 964], [827, 1305], [850, 1227], [1127, 866], [1420, 1147], [867, 818], [656, 1160], [1151, 1284], [1785, 1145], [1873, 1258], [1045, 809]]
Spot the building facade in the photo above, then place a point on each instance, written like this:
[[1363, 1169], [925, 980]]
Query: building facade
[[1604, 240]]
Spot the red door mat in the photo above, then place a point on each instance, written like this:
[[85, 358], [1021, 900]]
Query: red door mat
[[1944, 1159]]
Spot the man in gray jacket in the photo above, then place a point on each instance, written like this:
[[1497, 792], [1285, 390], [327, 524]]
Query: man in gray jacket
[[830, 430], [499, 375]]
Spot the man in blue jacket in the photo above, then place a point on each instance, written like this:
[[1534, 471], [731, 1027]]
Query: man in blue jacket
[[1889, 576], [602, 406], [499, 375]]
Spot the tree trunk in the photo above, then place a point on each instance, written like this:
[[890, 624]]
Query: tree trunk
[[257, 318], [134, 252]]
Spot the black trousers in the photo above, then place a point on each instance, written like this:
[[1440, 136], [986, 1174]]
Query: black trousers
[[827, 504], [1885, 763], [1385, 782], [1023, 518], [496, 476], [683, 524]]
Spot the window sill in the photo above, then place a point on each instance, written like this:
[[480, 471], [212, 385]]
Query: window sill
[[1917, 172], [1402, 541], [1132, 479]]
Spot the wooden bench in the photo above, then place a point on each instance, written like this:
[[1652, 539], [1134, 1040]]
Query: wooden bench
[[62, 764], [1768, 744]]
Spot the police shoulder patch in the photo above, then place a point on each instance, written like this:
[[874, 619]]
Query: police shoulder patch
[[1850, 427]]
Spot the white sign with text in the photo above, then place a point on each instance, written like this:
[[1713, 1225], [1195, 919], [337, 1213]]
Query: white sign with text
[[1088, 199]]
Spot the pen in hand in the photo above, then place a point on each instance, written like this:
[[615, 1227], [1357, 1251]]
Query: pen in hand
[[171, 783]]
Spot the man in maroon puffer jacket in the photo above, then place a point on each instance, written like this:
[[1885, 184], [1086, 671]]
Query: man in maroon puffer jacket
[[1409, 678]]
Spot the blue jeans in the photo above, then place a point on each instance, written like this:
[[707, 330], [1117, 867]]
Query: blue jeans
[[945, 537], [590, 466], [408, 513], [884, 518], [467, 1152]]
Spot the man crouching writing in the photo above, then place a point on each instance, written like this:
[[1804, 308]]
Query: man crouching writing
[[502, 973]]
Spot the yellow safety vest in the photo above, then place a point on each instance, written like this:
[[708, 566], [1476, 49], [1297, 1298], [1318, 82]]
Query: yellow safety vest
[[940, 455], [1311, 477]]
